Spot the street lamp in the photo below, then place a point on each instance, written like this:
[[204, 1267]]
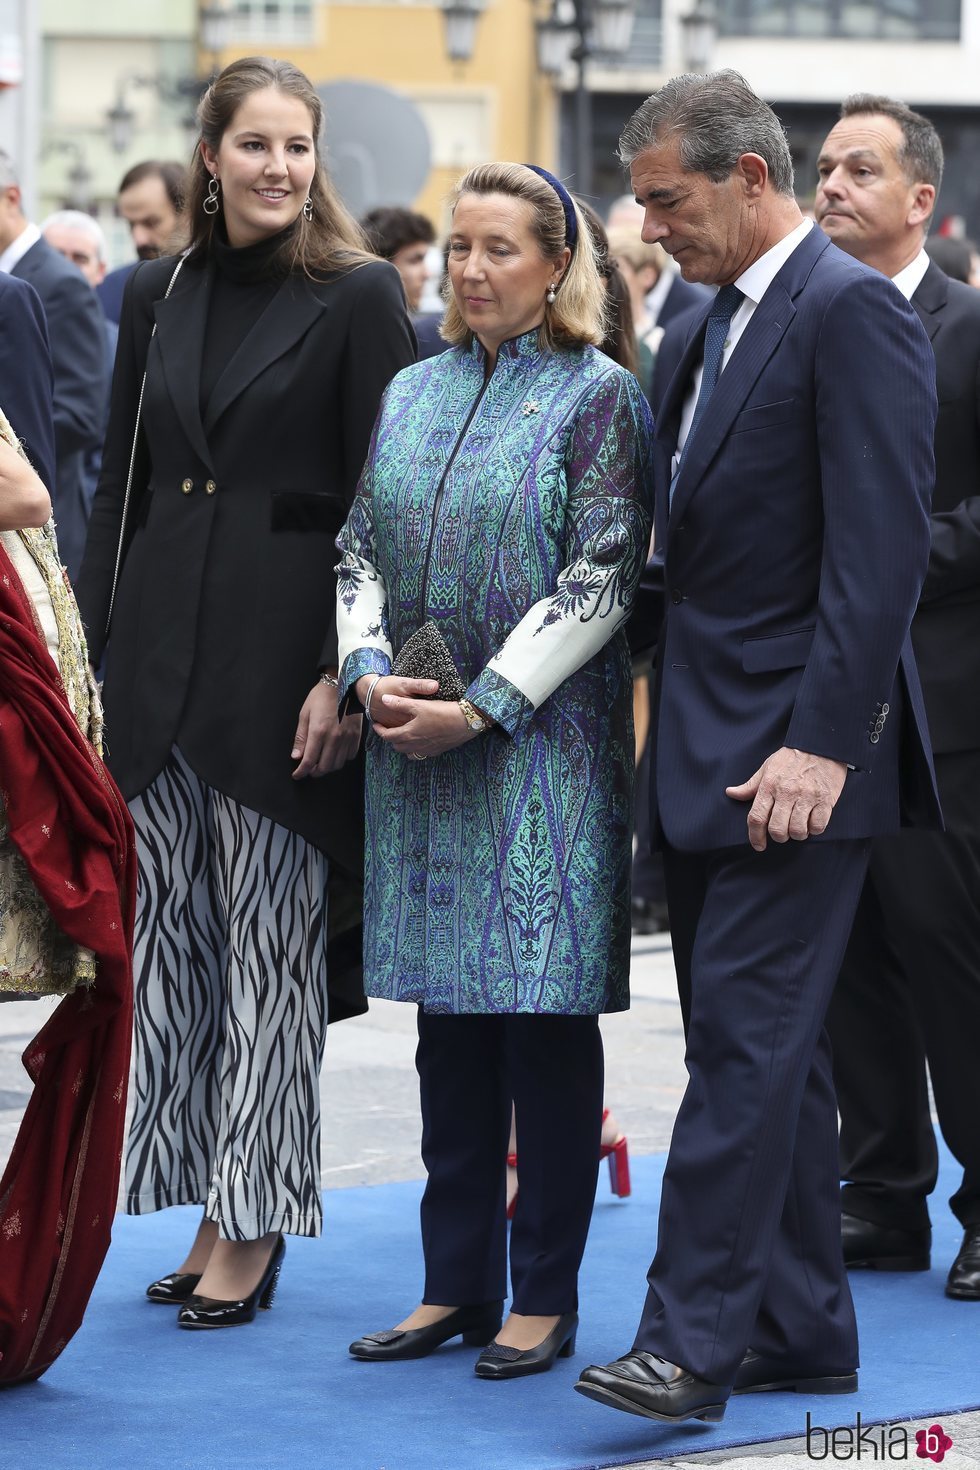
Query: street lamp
[[216, 24], [699, 30], [574, 30], [460, 18]]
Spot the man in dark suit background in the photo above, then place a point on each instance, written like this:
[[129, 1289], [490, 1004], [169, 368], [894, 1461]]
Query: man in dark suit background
[[910, 984], [151, 200], [792, 493], [26, 382], [77, 338]]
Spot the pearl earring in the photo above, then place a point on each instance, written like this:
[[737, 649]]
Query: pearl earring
[[550, 297]]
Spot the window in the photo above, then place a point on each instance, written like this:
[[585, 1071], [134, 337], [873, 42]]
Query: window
[[275, 20], [881, 20]]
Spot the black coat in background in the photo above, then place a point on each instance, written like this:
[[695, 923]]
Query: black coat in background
[[946, 629], [76, 332], [225, 606], [26, 386]]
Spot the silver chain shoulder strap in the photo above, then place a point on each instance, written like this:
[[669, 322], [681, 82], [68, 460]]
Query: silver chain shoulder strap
[[132, 463]]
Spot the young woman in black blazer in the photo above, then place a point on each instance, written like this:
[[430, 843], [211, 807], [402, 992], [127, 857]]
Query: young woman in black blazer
[[266, 351]]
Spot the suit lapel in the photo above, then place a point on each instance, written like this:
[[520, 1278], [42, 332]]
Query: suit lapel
[[755, 347], [181, 320], [929, 299], [287, 318]]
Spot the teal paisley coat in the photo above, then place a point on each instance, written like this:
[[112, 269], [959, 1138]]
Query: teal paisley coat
[[497, 874]]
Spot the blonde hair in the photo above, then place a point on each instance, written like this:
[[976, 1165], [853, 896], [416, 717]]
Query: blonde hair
[[577, 316], [625, 244]]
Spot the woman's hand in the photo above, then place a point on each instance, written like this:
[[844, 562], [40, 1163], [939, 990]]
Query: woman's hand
[[322, 742], [381, 714], [23, 499], [425, 726]]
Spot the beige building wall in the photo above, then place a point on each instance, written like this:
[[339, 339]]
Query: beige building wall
[[495, 106]]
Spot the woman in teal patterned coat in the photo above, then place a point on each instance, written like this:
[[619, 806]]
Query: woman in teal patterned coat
[[505, 499]]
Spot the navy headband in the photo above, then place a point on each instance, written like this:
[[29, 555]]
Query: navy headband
[[564, 198]]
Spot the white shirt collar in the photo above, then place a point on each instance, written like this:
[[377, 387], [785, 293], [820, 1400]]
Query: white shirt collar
[[18, 248], [658, 295], [755, 282], [909, 278]]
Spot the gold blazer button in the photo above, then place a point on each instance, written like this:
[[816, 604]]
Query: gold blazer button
[[187, 486], [210, 487]]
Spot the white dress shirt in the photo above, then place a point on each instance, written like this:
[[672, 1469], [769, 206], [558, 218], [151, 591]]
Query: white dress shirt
[[753, 284], [28, 236], [909, 279]]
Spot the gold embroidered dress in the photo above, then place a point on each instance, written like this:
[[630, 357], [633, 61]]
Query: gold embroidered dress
[[36, 958]]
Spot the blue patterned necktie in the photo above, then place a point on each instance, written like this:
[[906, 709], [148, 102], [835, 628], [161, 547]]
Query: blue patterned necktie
[[724, 307]]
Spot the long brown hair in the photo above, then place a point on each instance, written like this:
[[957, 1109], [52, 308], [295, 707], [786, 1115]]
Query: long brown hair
[[619, 341], [332, 240]]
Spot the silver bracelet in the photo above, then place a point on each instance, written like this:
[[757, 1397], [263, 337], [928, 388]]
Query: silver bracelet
[[367, 703], [329, 680]]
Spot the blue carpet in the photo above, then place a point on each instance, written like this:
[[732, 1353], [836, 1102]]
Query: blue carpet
[[132, 1392]]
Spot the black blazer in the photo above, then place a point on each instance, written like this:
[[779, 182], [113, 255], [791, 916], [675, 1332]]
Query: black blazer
[[26, 385], [946, 629], [76, 329], [225, 606]]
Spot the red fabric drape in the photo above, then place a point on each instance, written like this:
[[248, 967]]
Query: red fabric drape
[[69, 822]]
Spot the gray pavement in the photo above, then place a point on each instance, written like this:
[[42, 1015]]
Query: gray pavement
[[371, 1128]]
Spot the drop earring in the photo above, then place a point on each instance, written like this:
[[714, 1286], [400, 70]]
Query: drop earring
[[550, 297], [210, 205], [308, 208]]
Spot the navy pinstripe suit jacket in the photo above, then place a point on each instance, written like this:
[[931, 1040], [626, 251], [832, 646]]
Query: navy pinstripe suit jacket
[[795, 547]]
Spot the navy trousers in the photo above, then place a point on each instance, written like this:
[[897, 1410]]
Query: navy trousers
[[749, 1251], [470, 1068]]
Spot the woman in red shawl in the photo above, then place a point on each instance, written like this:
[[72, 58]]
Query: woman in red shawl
[[67, 877]]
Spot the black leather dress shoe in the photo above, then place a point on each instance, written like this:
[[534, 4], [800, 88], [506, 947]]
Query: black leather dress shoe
[[963, 1281], [641, 1383], [757, 1374], [476, 1326], [173, 1290], [499, 1361], [872, 1247], [201, 1312]]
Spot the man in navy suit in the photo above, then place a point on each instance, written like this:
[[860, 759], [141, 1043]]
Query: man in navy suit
[[910, 984], [76, 333], [26, 382], [792, 501]]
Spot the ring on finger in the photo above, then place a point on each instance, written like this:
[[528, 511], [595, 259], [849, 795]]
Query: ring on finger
[[417, 757]]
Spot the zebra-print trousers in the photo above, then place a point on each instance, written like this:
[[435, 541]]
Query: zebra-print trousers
[[231, 1012]]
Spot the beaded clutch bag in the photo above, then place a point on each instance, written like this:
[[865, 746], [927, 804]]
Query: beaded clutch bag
[[426, 655]]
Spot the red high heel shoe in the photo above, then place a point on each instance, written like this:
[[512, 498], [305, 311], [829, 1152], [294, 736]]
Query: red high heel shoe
[[619, 1162], [619, 1167]]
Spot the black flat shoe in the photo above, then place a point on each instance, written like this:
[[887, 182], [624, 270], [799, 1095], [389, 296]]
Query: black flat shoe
[[757, 1374], [201, 1312], [641, 1383], [963, 1281], [476, 1326], [499, 1361], [871, 1247], [173, 1290]]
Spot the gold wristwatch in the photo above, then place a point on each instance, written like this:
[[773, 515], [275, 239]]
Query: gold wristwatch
[[477, 722]]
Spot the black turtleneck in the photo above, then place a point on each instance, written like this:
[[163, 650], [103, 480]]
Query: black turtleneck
[[245, 281]]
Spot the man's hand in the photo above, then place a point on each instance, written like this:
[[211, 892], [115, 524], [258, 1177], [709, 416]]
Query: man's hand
[[323, 743], [381, 714], [425, 726], [793, 795]]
